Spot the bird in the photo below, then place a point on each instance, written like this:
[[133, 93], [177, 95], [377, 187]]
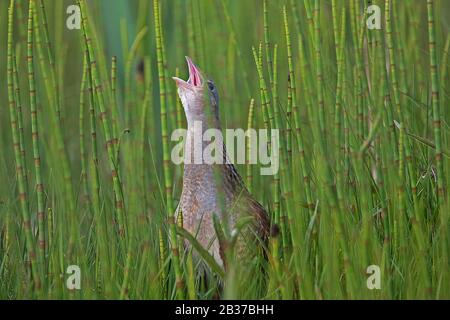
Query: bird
[[214, 189]]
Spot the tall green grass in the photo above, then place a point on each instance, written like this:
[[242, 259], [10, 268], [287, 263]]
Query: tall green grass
[[364, 155]]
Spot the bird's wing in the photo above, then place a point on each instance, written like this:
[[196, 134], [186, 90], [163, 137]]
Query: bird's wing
[[261, 217]]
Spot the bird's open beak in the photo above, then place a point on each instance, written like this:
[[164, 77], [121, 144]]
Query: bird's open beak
[[195, 79]]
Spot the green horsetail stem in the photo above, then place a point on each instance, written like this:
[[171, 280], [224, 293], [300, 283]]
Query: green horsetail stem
[[24, 207], [101, 225], [119, 200], [277, 186], [297, 231], [404, 118], [305, 82], [84, 181], [392, 69], [443, 72], [171, 108], [437, 120], [401, 58], [103, 71], [386, 52], [360, 157], [267, 42], [324, 170], [319, 72], [386, 97], [399, 229], [41, 57], [338, 136], [60, 51], [166, 155], [418, 224], [394, 84], [126, 273], [190, 283], [334, 13], [250, 123], [162, 259], [54, 93], [93, 133], [276, 124], [50, 58], [296, 113], [20, 120], [289, 110], [146, 101], [309, 18], [114, 114], [286, 181], [359, 77], [265, 101], [364, 74], [55, 115], [164, 127], [146, 104], [387, 138], [178, 106], [35, 135], [280, 217], [437, 124], [371, 66], [50, 230], [289, 122], [262, 88], [353, 22]]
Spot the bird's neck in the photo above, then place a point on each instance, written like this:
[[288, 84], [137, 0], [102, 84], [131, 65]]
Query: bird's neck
[[203, 133], [202, 169], [208, 120]]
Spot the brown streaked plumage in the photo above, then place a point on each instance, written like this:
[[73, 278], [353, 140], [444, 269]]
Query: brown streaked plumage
[[213, 188]]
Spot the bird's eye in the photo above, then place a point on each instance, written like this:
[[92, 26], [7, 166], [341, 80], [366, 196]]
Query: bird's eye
[[211, 86]]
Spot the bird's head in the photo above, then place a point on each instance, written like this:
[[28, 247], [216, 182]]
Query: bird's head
[[198, 95]]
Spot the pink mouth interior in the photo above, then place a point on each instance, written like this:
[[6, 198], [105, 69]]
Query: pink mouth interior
[[194, 74]]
